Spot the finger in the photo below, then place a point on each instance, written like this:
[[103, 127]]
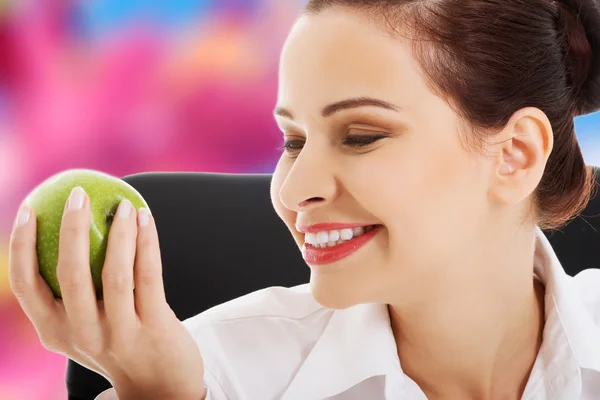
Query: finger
[[149, 288], [30, 289], [117, 273], [73, 270]]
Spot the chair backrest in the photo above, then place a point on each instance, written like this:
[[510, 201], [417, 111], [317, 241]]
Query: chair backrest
[[220, 239]]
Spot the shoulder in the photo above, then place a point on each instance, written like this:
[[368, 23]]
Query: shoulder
[[267, 311], [587, 284], [273, 302], [259, 340]]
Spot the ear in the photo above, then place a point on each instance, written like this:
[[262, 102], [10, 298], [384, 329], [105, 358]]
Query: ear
[[520, 155]]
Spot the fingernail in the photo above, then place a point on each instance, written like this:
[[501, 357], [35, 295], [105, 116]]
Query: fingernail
[[76, 198], [23, 216], [124, 209], [143, 216]]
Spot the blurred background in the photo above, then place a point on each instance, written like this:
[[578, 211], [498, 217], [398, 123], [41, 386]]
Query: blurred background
[[126, 86]]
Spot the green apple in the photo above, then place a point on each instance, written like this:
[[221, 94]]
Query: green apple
[[48, 200]]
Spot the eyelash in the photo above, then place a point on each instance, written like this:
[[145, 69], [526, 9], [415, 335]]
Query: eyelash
[[357, 141]]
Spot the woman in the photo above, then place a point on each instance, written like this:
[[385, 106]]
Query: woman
[[426, 145]]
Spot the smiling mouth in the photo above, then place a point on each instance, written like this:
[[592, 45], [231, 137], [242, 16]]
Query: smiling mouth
[[325, 250], [336, 237]]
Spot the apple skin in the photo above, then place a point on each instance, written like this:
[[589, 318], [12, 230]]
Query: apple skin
[[49, 200]]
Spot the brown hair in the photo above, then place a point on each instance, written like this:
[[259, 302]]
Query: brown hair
[[491, 58]]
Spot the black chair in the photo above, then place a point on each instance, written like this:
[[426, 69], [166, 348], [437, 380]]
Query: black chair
[[220, 239]]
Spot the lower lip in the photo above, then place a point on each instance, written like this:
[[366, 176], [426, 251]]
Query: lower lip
[[328, 255]]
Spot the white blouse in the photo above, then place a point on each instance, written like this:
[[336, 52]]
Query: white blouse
[[279, 343]]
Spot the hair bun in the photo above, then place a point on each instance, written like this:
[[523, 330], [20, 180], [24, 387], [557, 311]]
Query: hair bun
[[588, 13]]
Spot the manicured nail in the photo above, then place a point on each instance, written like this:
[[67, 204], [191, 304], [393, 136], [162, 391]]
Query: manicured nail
[[143, 216], [23, 216], [124, 209], [76, 198]]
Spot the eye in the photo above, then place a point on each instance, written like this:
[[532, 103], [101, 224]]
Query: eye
[[363, 140], [292, 146]]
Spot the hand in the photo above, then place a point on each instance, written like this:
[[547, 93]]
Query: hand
[[131, 337]]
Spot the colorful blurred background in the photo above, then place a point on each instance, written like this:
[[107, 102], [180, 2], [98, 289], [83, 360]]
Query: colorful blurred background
[[126, 86]]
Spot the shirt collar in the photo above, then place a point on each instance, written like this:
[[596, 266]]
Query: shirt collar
[[358, 342], [571, 337]]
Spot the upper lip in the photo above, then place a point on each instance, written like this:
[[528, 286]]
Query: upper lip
[[328, 226]]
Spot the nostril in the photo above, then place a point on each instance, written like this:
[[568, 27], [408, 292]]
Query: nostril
[[308, 202]]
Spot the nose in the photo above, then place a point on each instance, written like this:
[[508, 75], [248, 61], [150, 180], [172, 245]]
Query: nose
[[310, 183]]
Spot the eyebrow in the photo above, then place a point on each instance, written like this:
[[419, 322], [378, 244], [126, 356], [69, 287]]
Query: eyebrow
[[331, 109]]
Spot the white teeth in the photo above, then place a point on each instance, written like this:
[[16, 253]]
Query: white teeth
[[310, 238], [323, 237], [346, 234], [335, 237]]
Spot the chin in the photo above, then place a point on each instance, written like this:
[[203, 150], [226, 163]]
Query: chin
[[332, 294]]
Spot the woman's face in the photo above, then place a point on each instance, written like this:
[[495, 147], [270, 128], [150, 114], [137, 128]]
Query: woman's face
[[393, 159]]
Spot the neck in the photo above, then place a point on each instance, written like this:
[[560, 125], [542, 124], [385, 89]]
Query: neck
[[479, 336]]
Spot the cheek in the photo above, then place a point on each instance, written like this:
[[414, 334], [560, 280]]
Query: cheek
[[421, 191]]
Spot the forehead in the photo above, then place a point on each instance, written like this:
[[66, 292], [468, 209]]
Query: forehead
[[338, 54]]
